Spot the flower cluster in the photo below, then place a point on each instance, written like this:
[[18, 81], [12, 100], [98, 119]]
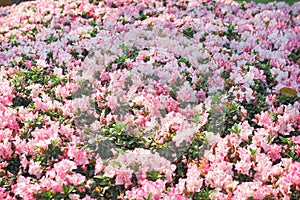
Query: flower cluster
[[149, 100]]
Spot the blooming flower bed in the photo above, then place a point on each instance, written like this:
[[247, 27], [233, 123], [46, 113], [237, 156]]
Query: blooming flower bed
[[149, 100]]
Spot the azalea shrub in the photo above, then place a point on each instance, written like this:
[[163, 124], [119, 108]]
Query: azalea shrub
[[149, 100]]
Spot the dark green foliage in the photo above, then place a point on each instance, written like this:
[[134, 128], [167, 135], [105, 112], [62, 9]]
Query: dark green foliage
[[154, 175], [295, 56], [49, 155], [203, 194], [13, 164], [121, 137], [188, 32]]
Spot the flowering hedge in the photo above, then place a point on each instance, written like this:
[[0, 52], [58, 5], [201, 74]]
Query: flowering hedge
[[149, 100]]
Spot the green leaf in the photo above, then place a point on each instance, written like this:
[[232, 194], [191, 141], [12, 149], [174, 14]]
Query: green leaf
[[195, 119], [234, 129], [121, 151], [270, 138], [101, 177], [188, 32], [153, 175], [84, 147], [284, 140], [103, 183], [253, 151], [68, 190], [168, 189], [18, 72], [48, 194], [115, 163], [65, 188], [71, 188], [172, 94], [136, 167], [149, 196]]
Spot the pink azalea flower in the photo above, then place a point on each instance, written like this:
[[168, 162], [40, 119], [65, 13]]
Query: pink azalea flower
[[74, 196], [80, 156], [274, 152], [87, 197], [193, 183], [245, 130], [6, 149], [244, 165], [186, 93], [35, 169], [123, 176], [185, 133], [156, 188], [25, 189], [172, 105], [99, 166], [219, 174], [76, 179]]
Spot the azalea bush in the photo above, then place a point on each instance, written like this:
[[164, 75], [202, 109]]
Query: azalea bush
[[149, 100]]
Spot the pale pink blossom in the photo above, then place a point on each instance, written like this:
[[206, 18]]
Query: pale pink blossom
[[35, 169], [99, 166], [76, 179]]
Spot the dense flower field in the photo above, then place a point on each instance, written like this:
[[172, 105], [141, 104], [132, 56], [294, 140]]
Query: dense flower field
[[143, 99]]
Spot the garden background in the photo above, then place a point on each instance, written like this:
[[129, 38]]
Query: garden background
[[160, 99]]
